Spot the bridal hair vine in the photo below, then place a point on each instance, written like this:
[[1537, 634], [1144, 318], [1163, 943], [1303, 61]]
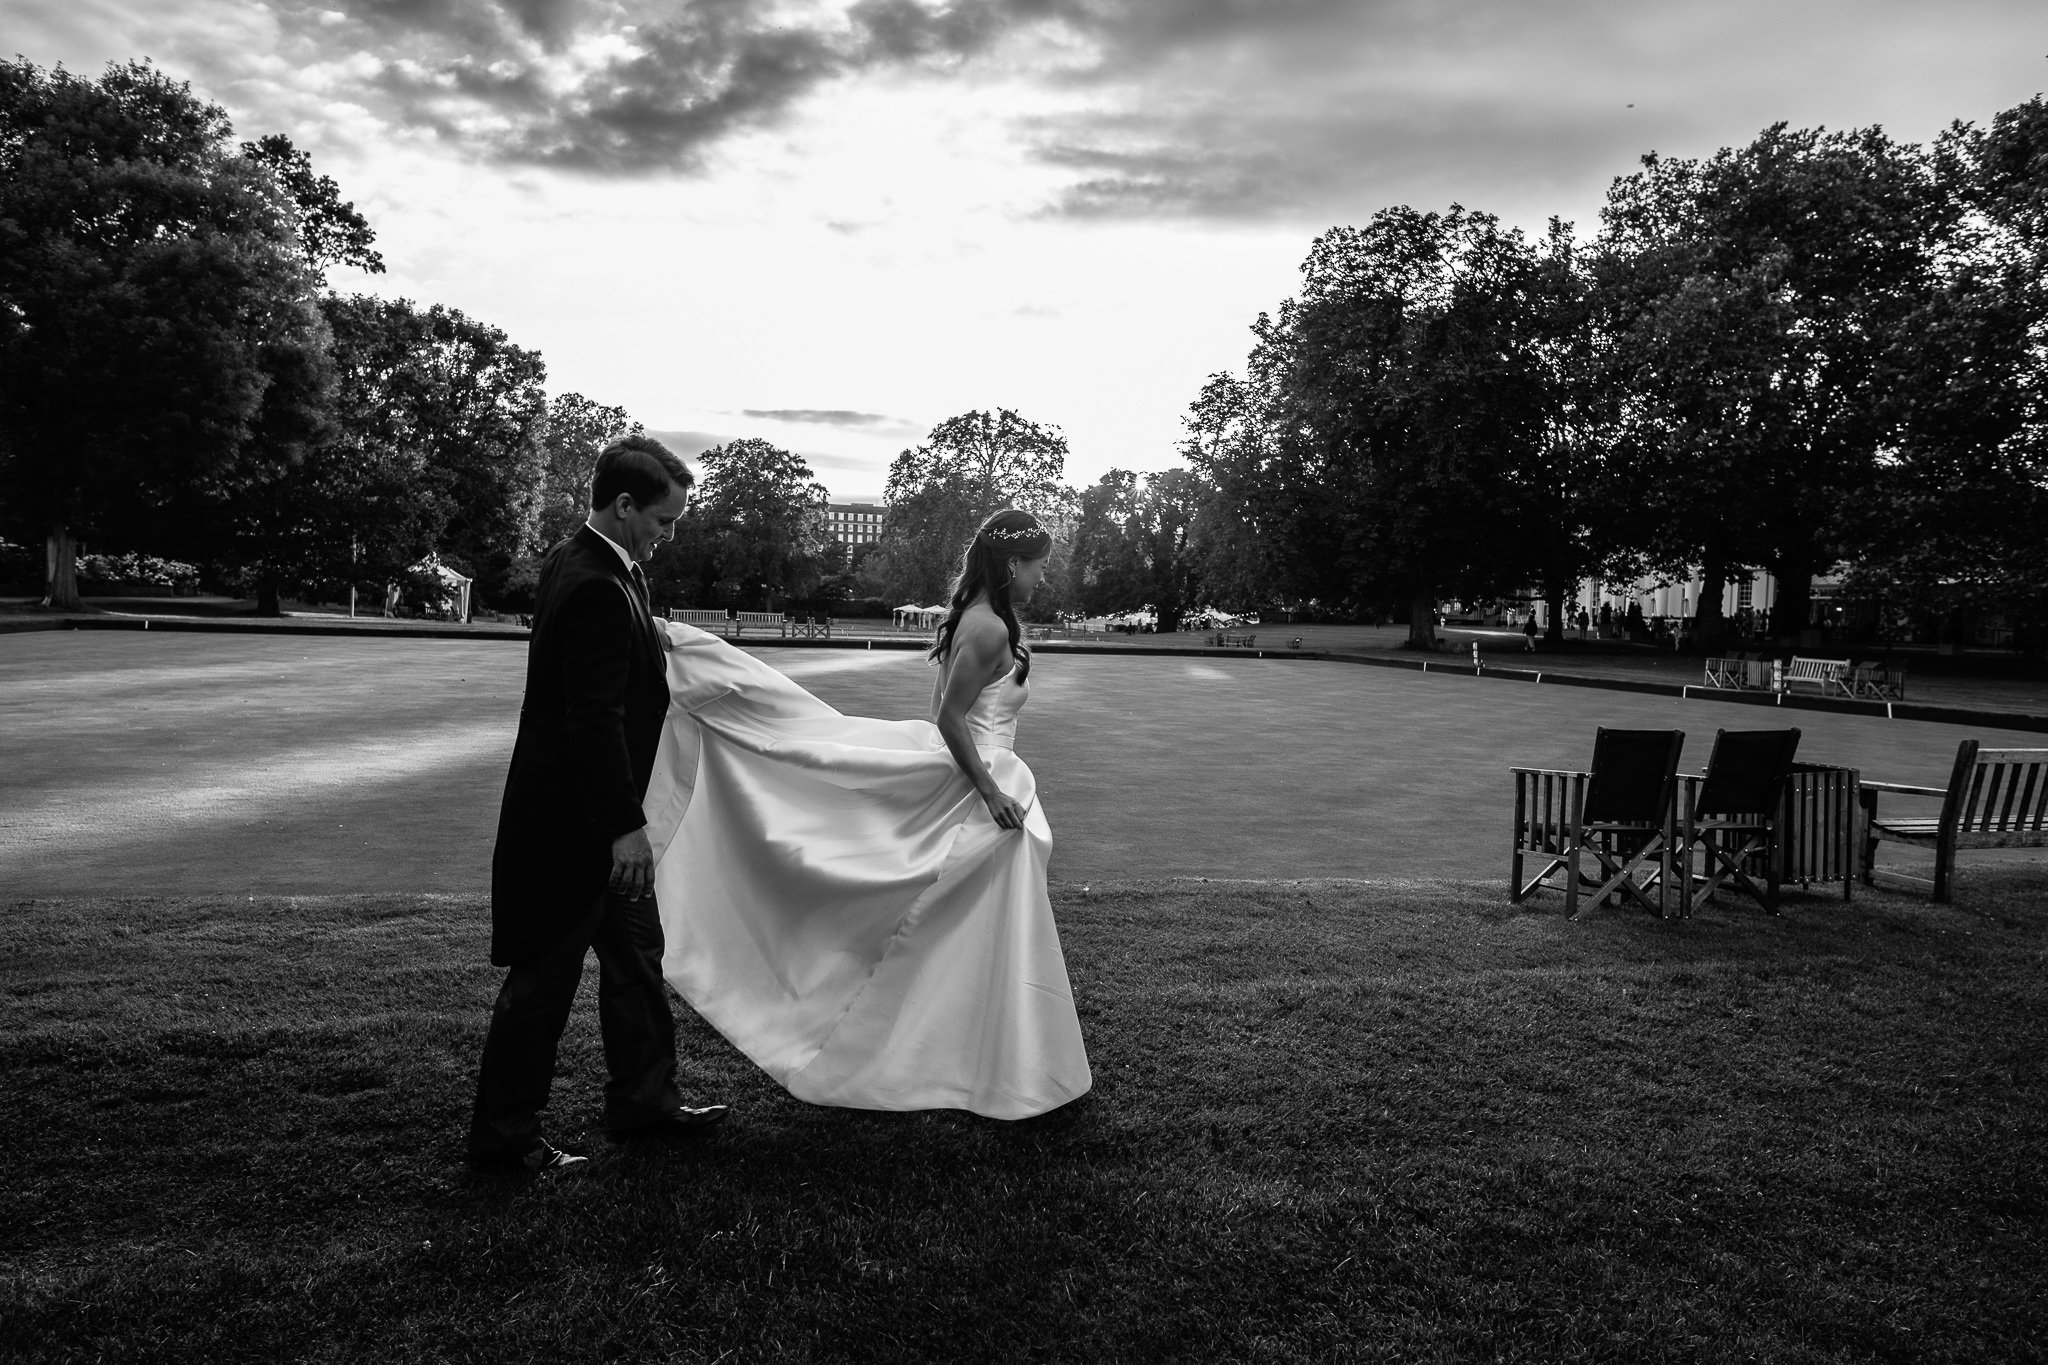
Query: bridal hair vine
[[1003, 538]]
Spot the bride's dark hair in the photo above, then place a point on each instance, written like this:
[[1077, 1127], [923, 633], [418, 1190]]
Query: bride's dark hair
[[985, 570]]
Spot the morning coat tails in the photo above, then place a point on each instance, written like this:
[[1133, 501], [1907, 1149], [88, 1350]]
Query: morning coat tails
[[596, 693]]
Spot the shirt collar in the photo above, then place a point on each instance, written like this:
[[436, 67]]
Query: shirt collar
[[617, 548]]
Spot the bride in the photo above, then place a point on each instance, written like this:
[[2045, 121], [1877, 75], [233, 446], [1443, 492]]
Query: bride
[[859, 905]]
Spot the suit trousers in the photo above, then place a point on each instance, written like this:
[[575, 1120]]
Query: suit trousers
[[633, 1017]]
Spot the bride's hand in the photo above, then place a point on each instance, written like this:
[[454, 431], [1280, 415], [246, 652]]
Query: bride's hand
[[1007, 810]]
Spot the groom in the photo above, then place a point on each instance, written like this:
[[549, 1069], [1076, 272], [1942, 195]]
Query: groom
[[573, 870]]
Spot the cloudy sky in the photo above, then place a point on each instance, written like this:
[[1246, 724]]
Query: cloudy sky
[[835, 225]]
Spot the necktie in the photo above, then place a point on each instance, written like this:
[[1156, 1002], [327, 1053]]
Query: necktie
[[640, 586]]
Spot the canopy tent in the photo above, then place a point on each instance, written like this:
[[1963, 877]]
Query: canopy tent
[[913, 617], [453, 599]]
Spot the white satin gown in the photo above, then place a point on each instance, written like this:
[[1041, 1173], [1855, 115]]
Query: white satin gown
[[838, 902]]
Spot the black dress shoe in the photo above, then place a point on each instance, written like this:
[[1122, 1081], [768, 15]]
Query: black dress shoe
[[674, 1126], [546, 1159]]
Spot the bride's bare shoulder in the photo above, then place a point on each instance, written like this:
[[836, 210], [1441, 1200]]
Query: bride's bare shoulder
[[980, 624], [980, 641]]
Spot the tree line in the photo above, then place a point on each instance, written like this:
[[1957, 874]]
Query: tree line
[[1818, 352], [178, 379]]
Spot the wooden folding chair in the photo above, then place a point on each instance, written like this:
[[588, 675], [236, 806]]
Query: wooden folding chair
[[1619, 814], [1731, 817]]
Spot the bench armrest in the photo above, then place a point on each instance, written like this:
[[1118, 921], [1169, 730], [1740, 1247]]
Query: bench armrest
[[1903, 788]]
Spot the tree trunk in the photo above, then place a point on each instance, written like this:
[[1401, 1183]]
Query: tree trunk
[[1794, 603], [1710, 623], [1422, 618], [1553, 607], [61, 571]]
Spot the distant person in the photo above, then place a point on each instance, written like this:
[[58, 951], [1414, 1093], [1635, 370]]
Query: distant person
[[1607, 620], [573, 869], [1529, 633]]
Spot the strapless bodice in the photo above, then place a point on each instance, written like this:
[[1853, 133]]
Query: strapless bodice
[[993, 717]]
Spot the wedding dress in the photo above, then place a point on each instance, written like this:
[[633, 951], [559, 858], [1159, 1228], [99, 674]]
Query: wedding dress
[[838, 902]]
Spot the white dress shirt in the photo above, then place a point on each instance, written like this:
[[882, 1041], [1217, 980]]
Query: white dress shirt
[[624, 558]]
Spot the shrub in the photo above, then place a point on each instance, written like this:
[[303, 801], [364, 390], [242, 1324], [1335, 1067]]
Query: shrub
[[138, 569]]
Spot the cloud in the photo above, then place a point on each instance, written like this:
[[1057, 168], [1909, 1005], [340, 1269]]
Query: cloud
[[1217, 110], [835, 417], [690, 444], [637, 87], [854, 471], [1302, 111]]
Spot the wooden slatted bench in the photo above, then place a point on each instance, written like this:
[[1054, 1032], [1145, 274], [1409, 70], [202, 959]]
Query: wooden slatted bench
[[1995, 798], [703, 620], [759, 620], [1223, 640], [1829, 675]]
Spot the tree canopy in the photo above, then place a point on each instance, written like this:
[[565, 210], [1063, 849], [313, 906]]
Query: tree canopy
[[940, 491], [160, 340], [756, 530]]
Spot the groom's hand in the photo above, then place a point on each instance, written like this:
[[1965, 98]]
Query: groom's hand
[[632, 866]]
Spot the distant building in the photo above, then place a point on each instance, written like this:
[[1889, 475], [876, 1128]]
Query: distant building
[[855, 523]]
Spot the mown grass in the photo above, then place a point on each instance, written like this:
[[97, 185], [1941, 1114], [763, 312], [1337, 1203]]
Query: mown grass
[[1331, 1121]]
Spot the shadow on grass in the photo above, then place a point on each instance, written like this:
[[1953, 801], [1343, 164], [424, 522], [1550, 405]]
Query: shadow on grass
[[1330, 1119]]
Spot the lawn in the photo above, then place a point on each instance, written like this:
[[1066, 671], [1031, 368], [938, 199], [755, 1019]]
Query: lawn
[[1349, 1103], [1332, 1120], [256, 765]]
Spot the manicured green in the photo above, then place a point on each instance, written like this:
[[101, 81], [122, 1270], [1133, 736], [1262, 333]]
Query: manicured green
[[1332, 1120], [237, 764]]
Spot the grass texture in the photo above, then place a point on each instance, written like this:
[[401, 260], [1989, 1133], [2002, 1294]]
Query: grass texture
[[1332, 1120], [160, 765]]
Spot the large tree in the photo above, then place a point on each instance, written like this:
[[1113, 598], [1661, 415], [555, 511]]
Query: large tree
[[939, 492], [756, 530], [158, 326], [262, 522], [435, 447], [1106, 570], [1954, 521], [575, 431], [1258, 532], [1133, 546], [1409, 392], [1755, 299]]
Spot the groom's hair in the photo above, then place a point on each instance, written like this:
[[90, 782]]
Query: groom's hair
[[640, 467]]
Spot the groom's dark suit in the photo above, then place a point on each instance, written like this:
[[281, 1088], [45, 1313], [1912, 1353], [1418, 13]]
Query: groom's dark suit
[[596, 693]]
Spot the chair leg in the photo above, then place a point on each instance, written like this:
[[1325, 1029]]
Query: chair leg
[[1944, 866]]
